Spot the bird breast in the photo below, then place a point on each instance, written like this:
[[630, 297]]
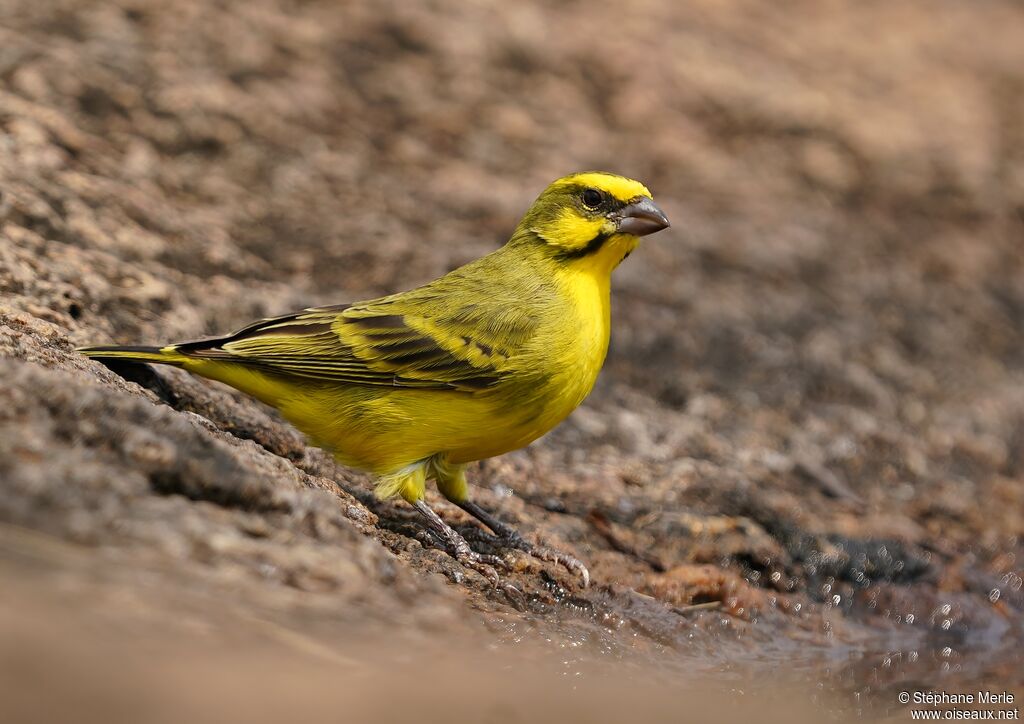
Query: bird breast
[[580, 342]]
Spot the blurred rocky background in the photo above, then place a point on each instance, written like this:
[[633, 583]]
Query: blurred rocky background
[[805, 455]]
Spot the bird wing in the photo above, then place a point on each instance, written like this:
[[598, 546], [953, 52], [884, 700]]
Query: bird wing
[[388, 342]]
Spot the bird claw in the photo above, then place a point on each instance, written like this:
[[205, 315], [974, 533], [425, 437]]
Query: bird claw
[[482, 563], [570, 563]]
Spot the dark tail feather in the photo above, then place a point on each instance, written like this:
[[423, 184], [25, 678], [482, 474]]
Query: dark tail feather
[[157, 355]]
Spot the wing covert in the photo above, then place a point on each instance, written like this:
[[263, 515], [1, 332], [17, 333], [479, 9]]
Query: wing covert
[[364, 346]]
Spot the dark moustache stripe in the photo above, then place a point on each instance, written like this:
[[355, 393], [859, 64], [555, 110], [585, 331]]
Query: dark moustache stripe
[[591, 247]]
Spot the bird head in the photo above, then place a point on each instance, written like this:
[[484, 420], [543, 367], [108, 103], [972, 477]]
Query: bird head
[[595, 218]]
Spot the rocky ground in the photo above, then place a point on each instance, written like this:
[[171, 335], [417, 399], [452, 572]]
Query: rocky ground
[[806, 451]]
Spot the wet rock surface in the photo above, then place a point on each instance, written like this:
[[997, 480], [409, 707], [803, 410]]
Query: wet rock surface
[[806, 450]]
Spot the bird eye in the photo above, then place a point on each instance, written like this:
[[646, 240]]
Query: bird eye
[[592, 198]]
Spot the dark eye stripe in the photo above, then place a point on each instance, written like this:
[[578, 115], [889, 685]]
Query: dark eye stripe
[[608, 202]]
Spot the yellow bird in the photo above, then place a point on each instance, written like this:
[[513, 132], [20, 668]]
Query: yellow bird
[[475, 364]]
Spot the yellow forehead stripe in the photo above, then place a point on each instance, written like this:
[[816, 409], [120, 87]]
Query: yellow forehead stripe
[[620, 187]]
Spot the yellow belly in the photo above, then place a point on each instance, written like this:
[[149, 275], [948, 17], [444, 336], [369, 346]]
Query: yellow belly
[[382, 430]]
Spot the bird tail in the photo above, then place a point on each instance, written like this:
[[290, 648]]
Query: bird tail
[[155, 355]]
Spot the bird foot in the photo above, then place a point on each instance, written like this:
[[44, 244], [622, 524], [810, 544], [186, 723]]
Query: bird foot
[[570, 563], [509, 537], [482, 563], [459, 549]]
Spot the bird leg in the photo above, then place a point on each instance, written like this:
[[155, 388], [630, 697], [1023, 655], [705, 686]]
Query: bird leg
[[511, 538], [457, 545]]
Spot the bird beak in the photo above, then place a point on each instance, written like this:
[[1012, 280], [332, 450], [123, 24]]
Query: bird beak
[[642, 217]]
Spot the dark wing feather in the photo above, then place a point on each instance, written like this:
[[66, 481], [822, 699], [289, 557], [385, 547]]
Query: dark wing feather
[[374, 344]]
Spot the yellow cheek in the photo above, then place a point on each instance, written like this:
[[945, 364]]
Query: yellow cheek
[[571, 231]]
